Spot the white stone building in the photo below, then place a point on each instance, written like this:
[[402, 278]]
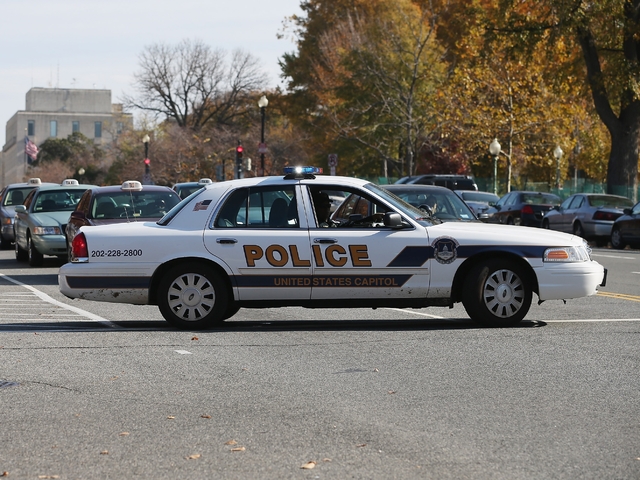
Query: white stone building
[[57, 113]]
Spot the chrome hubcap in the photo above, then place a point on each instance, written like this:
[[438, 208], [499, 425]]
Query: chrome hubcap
[[191, 296], [503, 293]]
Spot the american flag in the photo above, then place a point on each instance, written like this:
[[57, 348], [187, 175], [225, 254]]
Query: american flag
[[30, 148], [201, 205]]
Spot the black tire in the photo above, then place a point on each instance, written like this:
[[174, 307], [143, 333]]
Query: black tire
[[4, 243], [192, 297], [545, 224], [232, 309], [510, 221], [497, 293], [35, 257], [616, 239], [577, 230], [21, 254]]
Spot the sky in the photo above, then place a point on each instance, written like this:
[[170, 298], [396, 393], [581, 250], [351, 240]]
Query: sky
[[97, 43]]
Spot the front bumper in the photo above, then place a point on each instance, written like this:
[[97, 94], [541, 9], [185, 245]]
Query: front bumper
[[561, 281], [50, 244]]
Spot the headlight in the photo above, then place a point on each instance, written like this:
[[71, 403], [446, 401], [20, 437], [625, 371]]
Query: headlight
[[567, 254], [47, 231], [7, 221]]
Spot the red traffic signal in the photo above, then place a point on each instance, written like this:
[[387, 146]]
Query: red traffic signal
[[239, 151], [147, 161]]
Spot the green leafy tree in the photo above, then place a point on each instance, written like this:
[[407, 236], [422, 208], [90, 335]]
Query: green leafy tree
[[604, 35]]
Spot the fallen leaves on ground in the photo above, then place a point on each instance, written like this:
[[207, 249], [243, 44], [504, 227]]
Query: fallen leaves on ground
[[5, 473], [361, 445], [238, 449], [171, 417], [231, 442], [195, 338], [104, 452], [123, 434], [205, 416], [309, 465], [194, 456]]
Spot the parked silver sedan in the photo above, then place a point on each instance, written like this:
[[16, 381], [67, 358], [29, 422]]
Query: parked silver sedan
[[588, 215]]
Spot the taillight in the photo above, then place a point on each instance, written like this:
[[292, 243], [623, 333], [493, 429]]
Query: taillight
[[79, 247], [527, 210], [610, 216]]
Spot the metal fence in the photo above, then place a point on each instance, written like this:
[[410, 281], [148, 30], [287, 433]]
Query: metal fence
[[566, 189]]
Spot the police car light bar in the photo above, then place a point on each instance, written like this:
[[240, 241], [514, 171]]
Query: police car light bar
[[302, 170]]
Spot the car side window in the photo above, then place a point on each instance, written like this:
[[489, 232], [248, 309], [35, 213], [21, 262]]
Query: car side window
[[576, 202], [259, 208], [566, 203]]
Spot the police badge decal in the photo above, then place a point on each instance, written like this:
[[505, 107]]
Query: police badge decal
[[445, 249]]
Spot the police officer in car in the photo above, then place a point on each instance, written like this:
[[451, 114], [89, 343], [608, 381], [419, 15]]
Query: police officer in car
[[322, 206]]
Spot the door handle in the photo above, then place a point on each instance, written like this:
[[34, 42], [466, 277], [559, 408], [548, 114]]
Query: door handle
[[226, 240], [325, 240]]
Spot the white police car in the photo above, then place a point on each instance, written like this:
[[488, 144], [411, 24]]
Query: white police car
[[257, 243]]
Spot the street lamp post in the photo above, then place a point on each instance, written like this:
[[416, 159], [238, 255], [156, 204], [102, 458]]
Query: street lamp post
[[557, 153], [262, 103], [494, 150]]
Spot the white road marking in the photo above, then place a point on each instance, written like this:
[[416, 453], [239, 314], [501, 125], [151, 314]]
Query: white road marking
[[637, 273], [43, 296], [594, 320], [414, 313], [613, 256], [183, 352]]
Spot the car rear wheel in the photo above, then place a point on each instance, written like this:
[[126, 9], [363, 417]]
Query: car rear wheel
[[577, 229], [21, 253], [497, 293], [192, 297], [616, 238], [35, 257], [545, 224]]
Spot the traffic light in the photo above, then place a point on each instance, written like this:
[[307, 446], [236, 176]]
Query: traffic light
[[239, 152], [147, 163]]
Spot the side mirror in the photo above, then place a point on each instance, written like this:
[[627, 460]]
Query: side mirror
[[392, 220], [20, 209], [627, 211]]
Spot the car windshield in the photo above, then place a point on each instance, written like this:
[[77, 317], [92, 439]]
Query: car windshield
[[484, 197], [58, 200], [540, 199], [609, 201], [443, 204], [125, 204], [176, 209], [16, 196], [402, 206]]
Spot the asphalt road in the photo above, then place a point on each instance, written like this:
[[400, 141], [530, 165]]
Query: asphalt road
[[92, 390]]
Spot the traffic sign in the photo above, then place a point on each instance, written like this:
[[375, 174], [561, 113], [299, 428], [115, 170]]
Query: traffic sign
[[333, 159], [262, 148]]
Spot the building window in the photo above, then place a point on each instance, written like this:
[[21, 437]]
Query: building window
[[53, 128], [31, 127], [119, 127], [98, 130], [75, 126]]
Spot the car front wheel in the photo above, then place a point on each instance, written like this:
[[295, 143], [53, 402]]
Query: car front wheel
[[35, 257], [21, 253], [192, 297], [497, 293], [616, 239], [545, 224]]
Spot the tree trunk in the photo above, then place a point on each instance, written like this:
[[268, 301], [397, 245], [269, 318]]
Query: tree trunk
[[622, 172]]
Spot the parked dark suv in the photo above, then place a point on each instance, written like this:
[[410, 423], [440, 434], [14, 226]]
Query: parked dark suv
[[452, 182]]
